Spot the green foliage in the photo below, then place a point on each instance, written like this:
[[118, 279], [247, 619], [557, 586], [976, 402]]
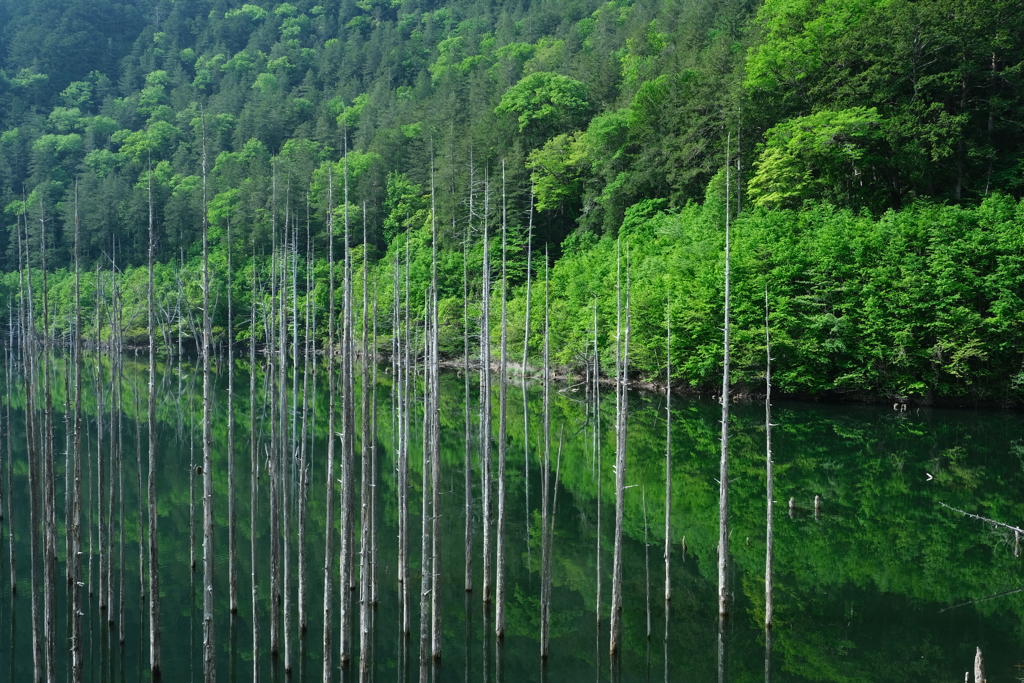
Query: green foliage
[[546, 101], [816, 156]]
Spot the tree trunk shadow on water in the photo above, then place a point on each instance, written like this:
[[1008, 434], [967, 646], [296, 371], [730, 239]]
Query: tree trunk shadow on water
[[468, 620], [233, 647]]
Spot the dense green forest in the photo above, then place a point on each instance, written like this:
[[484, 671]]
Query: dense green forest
[[875, 159]]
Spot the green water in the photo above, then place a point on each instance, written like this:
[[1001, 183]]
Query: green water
[[863, 591]]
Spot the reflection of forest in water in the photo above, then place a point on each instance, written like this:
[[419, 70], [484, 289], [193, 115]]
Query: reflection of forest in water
[[860, 591]]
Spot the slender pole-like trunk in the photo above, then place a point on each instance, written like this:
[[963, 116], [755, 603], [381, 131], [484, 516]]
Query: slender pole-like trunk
[[28, 352], [9, 359], [403, 460], [49, 478], [364, 491], [101, 487], [485, 391], [600, 465], [425, 572], [331, 438], [303, 456], [615, 641], [668, 449], [526, 360], [286, 452], [769, 562], [347, 448], [209, 649], [114, 437], [467, 466], [374, 475], [273, 468], [232, 508], [723, 491], [118, 403], [254, 482], [75, 556], [499, 617], [546, 468], [154, 563], [435, 436]]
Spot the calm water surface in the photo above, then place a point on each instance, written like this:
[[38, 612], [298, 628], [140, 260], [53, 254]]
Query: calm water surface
[[884, 585]]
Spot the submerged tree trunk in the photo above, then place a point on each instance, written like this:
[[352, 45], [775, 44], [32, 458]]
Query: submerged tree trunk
[[600, 465], [232, 511], [209, 648], [485, 391], [254, 486], [769, 607], [467, 470], [668, 449], [49, 480], [499, 617], [75, 556], [154, 563], [723, 475], [622, 373], [435, 439], [546, 467], [364, 492], [331, 437], [347, 449]]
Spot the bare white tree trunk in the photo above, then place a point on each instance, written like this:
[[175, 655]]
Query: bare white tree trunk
[[546, 468], [668, 449], [154, 563], [485, 391], [769, 561], [364, 493], [209, 648], [499, 618], [723, 474], [622, 372], [331, 437], [435, 437]]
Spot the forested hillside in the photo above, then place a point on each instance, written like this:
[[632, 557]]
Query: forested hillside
[[875, 149]]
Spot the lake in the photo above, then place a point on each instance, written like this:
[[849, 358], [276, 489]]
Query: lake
[[884, 583]]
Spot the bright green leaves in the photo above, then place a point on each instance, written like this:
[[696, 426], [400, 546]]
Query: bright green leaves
[[404, 205], [556, 169], [813, 156], [251, 12], [349, 116], [453, 55], [547, 102], [156, 141]]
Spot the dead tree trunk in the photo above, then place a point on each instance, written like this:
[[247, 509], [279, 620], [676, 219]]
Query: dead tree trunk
[[546, 468], [209, 649], [347, 449], [254, 485], [154, 563], [331, 438], [467, 471], [364, 491], [232, 510], [499, 617], [622, 372], [485, 391], [435, 439], [75, 556], [668, 449], [769, 607], [723, 478]]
